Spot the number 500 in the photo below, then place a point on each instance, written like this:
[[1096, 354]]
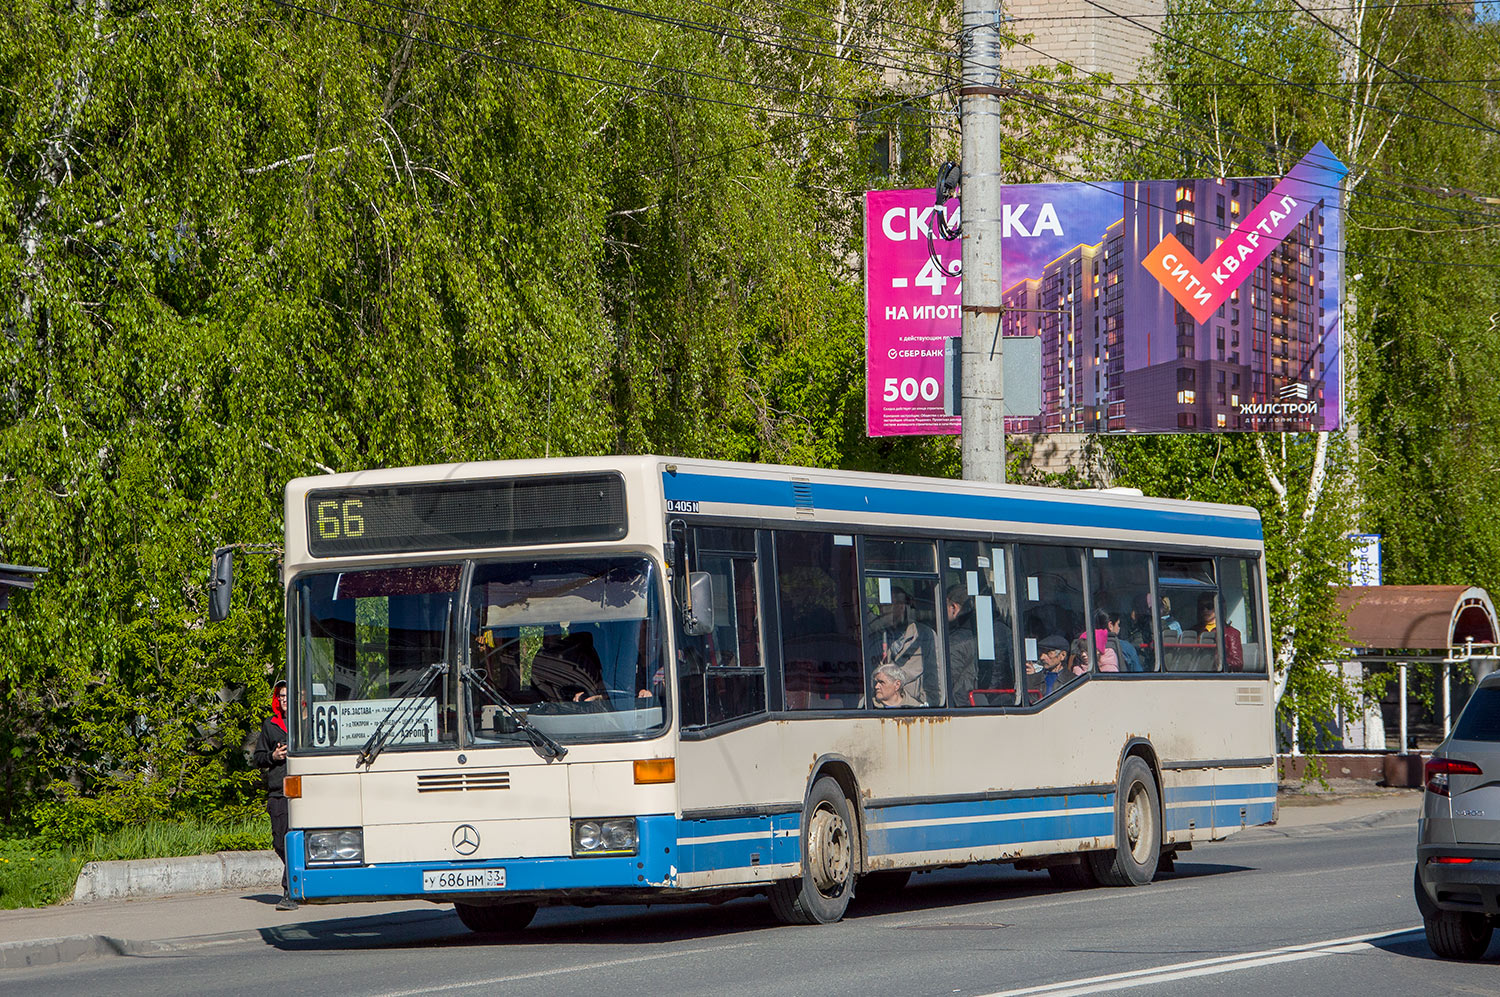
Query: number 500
[[908, 388]]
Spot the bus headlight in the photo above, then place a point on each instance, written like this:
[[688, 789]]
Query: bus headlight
[[612, 836], [339, 845]]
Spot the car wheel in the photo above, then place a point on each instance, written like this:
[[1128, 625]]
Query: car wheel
[[1458, 934]]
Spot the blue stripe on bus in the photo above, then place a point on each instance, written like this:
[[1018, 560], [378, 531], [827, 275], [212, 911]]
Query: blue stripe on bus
[[1239, 791], [950, 505], [1257, 799], [981, 834], [933, 827], [669, 846], [769, 840]]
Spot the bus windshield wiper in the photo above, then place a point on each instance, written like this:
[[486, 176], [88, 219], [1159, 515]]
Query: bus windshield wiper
[[405, 710], [541, 743]]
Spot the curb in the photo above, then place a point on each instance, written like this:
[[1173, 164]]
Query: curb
[[189, 874], [51, 951], [37, 952]]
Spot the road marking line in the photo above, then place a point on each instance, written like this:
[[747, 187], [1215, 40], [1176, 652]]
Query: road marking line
[[1403, 863], [1208, 967], [605, 964], [1050, 897]]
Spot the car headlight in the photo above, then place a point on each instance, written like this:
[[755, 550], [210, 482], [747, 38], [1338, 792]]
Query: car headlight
[[598, 836], [337, 845]]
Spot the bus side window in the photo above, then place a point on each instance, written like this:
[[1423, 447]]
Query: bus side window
[[1187, 613], [979, 636], [1239, 601], [817, 586], [721, 675], [1049, 595], [1120, 586], [902, 614], [735, 683]]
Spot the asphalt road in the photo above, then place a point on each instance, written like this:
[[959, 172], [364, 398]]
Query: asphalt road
[[1322, 910]]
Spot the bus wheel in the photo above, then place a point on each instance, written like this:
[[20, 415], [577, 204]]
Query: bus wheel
[[495, 918], [821, 894], [1133, 860]]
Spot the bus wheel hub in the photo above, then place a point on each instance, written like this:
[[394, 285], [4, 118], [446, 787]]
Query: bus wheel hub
[[830, 852]]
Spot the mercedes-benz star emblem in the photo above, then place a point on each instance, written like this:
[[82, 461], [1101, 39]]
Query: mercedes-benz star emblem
[[465, 839]]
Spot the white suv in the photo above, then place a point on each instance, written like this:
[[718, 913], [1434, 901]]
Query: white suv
[[1458, 835]]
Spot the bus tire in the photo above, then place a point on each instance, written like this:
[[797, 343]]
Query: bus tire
[[495, 919], [1133, 860], [822, 893]]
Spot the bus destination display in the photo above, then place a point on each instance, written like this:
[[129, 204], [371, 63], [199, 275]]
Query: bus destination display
[[459, 515]]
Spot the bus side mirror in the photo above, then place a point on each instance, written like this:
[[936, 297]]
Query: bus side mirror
[[220, 583], [698, 614]]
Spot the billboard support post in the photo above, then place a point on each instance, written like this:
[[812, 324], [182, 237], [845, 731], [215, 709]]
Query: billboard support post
[[983, 385]]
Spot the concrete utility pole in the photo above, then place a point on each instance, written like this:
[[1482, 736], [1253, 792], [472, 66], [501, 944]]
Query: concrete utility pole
[[982, 398]]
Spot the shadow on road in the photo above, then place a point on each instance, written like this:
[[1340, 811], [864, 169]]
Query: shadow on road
[[668, 923], [1414, 946]]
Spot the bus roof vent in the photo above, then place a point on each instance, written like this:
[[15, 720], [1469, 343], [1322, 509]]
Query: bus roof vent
[[802, 496]]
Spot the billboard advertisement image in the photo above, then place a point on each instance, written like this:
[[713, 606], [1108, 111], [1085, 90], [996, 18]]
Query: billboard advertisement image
[[1200, 305]]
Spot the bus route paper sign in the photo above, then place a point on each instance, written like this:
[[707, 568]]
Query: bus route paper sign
[[912, 304], [1151, 306]]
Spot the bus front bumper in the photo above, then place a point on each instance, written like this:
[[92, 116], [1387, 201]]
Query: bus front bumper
[[654, 865]]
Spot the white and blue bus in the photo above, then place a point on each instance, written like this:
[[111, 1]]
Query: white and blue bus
[[626, 679]]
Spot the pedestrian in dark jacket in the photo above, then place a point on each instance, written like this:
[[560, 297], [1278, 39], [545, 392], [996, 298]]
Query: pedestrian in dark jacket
[[270, 758]]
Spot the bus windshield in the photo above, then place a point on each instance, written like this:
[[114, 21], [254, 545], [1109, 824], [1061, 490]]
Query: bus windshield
[[367, 641], [573, 644]]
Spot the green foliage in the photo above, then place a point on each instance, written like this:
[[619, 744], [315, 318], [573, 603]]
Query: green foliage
[[243, 243], [32, 876], [40, 870], [1246, 90]]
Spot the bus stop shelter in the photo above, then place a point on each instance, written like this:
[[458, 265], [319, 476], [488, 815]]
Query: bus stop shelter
[[14, 577], [1400, 625]]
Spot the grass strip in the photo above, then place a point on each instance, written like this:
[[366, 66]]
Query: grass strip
[[33, 874]]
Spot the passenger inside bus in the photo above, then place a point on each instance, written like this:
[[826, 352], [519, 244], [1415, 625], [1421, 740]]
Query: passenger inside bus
[[888, 689], [896, 639], [567, 668], [1140, 633], [1049, 673], [963, 646], [1234, 653], [1130, 657]]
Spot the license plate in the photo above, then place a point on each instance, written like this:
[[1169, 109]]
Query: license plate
[[437, 880]]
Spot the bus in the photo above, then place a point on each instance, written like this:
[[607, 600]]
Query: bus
[[641, 679]]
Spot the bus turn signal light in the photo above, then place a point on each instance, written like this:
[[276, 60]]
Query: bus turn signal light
[[291, 787], [649, 771]]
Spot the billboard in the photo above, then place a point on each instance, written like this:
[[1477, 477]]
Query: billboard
[[1144, 306]]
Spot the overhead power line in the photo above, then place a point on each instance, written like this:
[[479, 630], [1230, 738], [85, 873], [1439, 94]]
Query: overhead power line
[[1072, 177], [1401, 75], [1272, 76], [651, 66], [584, 77], [1237, 141], [1259, 12], [725, 31]]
